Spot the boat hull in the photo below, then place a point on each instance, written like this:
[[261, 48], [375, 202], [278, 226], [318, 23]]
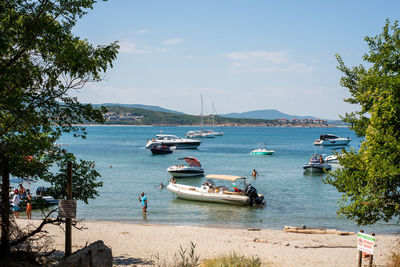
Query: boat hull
[[190, 193], [316, 168], [262, 152], [160, 151], [181, 172], [193, 144], [342, 142]]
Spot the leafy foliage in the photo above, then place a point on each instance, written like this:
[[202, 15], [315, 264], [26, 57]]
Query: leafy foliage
[[84, 179], [41, 62], [370, 178]]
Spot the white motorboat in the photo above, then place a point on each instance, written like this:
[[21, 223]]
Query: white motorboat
[[262, 150], [173, 140], [332, 140], [331, 159], [209, 192], [334, 158], [192, 169], [316, 164]]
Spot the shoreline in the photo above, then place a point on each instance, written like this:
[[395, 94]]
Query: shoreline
[[227, 226], [140, 243], [238, 126]]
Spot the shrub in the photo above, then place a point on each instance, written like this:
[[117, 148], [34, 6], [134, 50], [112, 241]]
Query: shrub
[[232, 260]]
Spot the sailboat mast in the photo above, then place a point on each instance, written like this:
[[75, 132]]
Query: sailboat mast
[[213, 111], [201, 114]]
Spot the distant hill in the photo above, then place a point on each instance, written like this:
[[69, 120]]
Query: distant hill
[[266, 114], [139, 116], [147, 107]]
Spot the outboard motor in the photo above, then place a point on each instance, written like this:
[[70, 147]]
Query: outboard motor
[[251, 192]]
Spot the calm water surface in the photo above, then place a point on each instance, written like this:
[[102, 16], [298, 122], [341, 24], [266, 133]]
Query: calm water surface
[[293, 198]]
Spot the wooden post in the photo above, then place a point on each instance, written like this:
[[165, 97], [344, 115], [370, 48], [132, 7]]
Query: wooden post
[[371, 257], [68, 232], [360, 254]]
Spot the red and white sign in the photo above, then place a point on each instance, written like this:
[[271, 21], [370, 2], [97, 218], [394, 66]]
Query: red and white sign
[[365, 243]]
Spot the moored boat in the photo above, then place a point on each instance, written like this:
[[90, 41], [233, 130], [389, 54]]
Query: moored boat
[[160, 149], [192, 169], [262, 150], [209, 192], [173, 140], [332, 140], [316, 165]]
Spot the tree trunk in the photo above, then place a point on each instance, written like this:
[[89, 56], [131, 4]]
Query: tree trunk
[[5, 208]]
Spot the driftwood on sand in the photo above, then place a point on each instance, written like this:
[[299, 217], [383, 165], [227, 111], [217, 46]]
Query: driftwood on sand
[[305, 230]]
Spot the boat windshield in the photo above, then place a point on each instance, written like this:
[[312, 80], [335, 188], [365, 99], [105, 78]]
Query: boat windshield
[[166, 137]]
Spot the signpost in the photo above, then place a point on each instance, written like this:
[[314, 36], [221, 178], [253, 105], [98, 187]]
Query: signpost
[[67, 208], [365, 243]]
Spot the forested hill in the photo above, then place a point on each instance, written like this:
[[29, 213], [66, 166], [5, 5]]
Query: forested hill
[[138, 116]]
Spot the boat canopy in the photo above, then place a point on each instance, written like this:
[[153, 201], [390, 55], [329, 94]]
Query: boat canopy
[[328, 136], [224, 177], [193, 162]]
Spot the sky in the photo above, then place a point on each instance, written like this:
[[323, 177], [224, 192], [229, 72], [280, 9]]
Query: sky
[[240, 55]]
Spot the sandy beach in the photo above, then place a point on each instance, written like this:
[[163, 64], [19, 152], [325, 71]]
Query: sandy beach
[[134, 244]]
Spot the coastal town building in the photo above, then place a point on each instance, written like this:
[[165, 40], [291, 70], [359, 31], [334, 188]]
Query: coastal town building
[[112, 116]]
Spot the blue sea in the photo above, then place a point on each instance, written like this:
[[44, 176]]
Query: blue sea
[[293, 198]]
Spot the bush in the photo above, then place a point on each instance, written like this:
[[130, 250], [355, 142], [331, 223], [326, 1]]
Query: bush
[[232, 260]]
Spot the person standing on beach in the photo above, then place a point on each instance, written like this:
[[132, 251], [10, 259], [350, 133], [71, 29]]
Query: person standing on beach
[[28, 204], [15, 202], [143, 198]]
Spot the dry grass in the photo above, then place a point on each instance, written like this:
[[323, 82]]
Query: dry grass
[[232, 260], [395, 258]]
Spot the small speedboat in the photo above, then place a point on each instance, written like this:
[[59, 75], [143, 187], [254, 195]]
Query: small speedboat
[[242, 194], [316, 165], [160, 149], [192, 169], [331, 159], [262, 150], [332, 140], [334, 158]]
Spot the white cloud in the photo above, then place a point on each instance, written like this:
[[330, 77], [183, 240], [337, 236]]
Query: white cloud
[[143, 31], [130, 47], [133, 48], [265, 61], [173, 41]]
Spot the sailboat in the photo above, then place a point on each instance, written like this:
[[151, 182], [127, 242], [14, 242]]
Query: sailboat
[[221, 133], [200, 133]]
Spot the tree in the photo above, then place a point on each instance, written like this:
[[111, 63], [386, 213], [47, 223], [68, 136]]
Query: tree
[[41, 62], [370, 178]]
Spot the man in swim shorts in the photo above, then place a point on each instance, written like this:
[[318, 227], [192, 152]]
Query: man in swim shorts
[[143, 198]]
